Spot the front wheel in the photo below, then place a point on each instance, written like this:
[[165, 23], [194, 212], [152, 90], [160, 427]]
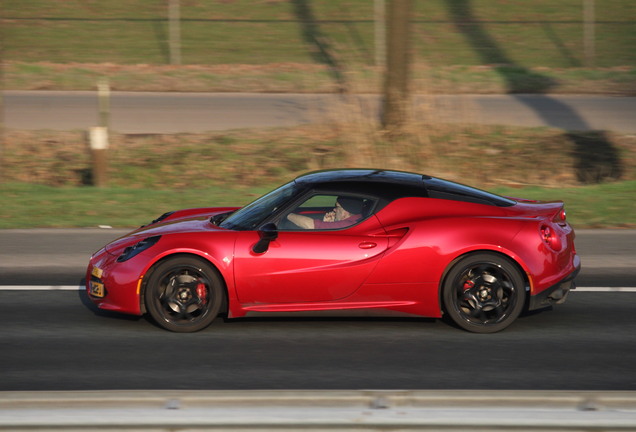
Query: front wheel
[[484, 293], [184, 294]]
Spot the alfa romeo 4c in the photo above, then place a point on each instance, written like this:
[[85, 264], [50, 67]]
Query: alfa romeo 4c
[[383, 242]]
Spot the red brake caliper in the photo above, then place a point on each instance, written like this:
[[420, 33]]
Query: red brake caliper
[[468, 285], [202, 293]]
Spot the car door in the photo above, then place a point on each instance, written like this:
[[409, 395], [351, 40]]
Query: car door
[[307, 266]]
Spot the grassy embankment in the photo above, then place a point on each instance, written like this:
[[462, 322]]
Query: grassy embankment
[[153, 174], [301, 46]]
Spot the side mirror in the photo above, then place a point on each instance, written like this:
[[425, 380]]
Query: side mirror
[[267, 234]]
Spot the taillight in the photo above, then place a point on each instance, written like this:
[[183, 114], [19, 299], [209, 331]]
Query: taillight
[[550, 237], [560, 218]]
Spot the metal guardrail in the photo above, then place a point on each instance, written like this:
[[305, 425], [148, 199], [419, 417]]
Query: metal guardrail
[[332, 411]]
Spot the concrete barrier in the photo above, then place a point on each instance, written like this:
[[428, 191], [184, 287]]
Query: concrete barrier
[[365, 410]]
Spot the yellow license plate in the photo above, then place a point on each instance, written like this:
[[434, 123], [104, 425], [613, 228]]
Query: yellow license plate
[[97, 289], [97, 272]]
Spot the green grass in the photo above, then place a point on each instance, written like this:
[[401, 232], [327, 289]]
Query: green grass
[[524, 46], [597, 206], [31, 206], [527, 34]]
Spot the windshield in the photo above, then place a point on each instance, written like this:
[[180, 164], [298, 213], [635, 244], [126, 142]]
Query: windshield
[[252, 215]]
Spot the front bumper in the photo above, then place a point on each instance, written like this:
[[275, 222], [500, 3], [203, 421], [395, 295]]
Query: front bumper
[[556, 294], [113, 286]]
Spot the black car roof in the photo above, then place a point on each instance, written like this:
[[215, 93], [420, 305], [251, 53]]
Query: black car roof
[[362, 175], [385, 184], [390, 185]]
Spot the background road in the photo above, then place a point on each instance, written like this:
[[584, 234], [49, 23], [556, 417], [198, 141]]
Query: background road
[[55, 340], [199, 112]]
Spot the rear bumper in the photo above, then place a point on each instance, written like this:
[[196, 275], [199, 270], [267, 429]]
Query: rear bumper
[[557, 293]]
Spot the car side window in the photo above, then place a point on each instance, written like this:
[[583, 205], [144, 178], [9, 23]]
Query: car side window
[[319, 201], [328, 212]]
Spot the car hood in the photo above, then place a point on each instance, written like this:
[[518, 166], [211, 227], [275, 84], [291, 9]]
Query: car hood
[[181, 221]]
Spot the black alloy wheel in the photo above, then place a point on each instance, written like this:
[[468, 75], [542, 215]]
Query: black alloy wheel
[[484, 293], [184, 294]]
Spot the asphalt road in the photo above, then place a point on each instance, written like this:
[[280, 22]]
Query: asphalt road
[[55, 340], [199, 112]]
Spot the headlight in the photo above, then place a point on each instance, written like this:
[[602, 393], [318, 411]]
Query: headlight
[[137, 248]]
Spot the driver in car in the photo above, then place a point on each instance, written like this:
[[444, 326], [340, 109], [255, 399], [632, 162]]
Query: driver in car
[[347, 212]]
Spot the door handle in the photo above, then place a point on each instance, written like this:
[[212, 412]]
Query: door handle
[[367, 245]]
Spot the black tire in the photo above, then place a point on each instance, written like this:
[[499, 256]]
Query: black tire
[[184, 294], [484, 293]]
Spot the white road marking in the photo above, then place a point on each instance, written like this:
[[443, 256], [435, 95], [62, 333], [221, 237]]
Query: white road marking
[[605, 289], [42, 287], [82, 287]]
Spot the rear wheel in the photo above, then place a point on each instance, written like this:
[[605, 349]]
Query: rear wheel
[[484, 293], [184, 294]]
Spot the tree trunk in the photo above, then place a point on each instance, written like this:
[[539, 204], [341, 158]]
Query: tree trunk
[[397, 100]]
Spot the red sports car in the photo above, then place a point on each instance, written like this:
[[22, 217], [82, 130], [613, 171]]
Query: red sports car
[[386, 242]]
